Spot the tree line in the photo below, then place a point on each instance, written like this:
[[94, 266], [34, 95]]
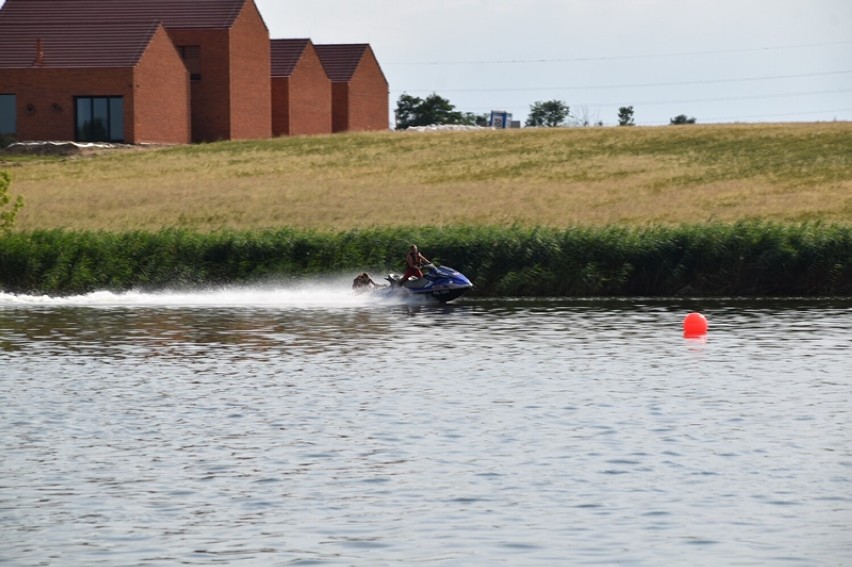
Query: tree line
[[435, 110]]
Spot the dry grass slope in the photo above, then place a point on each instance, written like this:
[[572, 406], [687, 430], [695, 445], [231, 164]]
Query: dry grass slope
[[557, 178]]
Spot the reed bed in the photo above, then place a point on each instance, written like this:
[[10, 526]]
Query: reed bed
[[787, 173], [741, 259]]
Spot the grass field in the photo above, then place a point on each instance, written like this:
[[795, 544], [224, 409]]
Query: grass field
[[636, 176]]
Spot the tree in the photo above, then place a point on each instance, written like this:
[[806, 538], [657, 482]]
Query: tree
[[682, 119], [585, 117], [625, 116], [7, 217], [549, 113], [431, 111], [476, 119]]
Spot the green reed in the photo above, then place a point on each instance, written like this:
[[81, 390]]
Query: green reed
[[743, 259]]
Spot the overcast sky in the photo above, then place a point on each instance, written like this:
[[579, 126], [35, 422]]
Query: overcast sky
[[715, 60]]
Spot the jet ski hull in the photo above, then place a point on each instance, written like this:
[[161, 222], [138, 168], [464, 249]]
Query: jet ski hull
[[438, 282]]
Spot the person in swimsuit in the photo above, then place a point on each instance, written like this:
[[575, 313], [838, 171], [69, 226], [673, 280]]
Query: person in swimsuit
[[413, 260]]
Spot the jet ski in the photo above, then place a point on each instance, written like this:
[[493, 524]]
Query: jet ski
[[439, 282]]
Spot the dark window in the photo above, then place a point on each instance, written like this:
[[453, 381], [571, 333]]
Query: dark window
[[116, 119], [191, 55], [8, 114], [100, 118]]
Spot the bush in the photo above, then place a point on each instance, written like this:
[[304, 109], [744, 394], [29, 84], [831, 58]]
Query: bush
[[682, 119], [8, 215], [744, 259]]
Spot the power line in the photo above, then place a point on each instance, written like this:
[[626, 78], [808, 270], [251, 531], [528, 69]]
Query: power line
[[694, 101], [729, 98], [773, 115], [621, 57], [637, 85]]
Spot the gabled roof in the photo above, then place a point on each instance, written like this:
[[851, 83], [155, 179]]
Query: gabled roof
[[99, 33], [341, 60], [57, 45], [183, 14], [286, 54]]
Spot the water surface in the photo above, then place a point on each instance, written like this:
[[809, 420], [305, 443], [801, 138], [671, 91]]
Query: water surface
[[295, 427]]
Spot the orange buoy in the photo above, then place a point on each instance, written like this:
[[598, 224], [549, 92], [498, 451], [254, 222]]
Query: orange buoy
[[694, 325]]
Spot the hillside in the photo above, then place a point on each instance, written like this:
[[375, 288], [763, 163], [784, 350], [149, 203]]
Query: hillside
[[558, 177]]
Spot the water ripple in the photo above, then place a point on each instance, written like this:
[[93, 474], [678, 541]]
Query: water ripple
[[522, 433]]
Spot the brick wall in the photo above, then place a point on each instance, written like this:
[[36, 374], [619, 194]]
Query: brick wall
[[340, 107], [362, 104], [232, 99], [45, 103], [301, 103], [45, 99], [280, 106], [210, 96], [251, 76], [368, 97], [160, 108]]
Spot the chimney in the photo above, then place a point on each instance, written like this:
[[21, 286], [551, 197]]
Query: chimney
[[39, 58]]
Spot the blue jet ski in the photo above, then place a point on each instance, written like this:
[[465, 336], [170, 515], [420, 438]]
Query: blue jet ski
[[439, 282]]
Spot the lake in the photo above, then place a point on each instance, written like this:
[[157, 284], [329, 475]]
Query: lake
[[308, 426]]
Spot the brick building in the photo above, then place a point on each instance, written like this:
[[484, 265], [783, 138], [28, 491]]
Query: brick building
[[173, 71], [301, 89], [111, 90], [360, 95]]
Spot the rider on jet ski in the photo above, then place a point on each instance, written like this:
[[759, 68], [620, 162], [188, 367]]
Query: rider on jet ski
[[413, 260]]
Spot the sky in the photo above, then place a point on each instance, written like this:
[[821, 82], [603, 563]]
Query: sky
[[715, 60]]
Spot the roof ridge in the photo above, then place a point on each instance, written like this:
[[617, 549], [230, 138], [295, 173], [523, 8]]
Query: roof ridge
[[286, 53], [341, 60], [144, 46], [180, 14], [344, 44]]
